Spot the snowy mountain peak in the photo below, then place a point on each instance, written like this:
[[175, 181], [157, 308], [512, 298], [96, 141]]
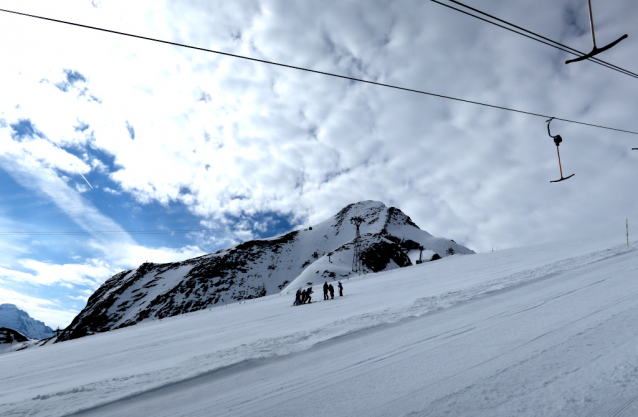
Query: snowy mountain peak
[[252, 269], [377, 218], [14, 318], [369, 211]]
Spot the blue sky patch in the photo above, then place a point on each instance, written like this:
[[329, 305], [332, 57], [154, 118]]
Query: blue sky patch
[[24, 129], [63, 86], [272, 223], [131, 130], [106, 158], [81, 127], [72, 77]]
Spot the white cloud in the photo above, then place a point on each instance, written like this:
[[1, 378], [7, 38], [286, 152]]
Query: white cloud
[[232, 139], [11, 275], [11, 246], [38, 308], [127, 256], [91, 272], [24, 167], [81, 279], [111, 191], [272, 139]]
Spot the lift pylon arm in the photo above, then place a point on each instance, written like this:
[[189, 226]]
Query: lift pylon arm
[[595, 51]]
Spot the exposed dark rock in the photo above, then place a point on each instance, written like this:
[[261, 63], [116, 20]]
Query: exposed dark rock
[[378, 255], [9, 335]]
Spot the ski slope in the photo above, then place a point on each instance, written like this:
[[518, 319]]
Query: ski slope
[[545, 330]]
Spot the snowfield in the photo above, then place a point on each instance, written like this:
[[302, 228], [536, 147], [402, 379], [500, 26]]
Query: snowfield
[[545, 330]]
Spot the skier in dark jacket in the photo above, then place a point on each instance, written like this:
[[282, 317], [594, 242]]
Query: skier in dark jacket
[[332, 291], [308, 297], [298, 297], [325, 290], [340, 289], [304, 297]]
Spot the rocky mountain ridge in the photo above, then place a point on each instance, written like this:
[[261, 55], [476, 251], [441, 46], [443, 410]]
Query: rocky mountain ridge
[[257, 268]]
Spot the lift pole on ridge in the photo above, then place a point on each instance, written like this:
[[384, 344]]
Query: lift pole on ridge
[[357, 263]]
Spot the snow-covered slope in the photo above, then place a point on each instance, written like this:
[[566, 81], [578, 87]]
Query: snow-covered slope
[[16, 319], [256, 268], [545, 330]]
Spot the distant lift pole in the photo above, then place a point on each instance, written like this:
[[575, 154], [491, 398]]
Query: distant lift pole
[[357, 263], [420, 260]]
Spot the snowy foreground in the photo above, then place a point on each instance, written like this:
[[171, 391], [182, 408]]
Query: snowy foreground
[[544, 330]]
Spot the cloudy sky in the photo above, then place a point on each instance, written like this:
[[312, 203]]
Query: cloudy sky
[[177, 139]]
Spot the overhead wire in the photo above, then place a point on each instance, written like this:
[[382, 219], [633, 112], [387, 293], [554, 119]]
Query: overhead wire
[[316, 71], [117, 232], [534, 36], [108, 232]]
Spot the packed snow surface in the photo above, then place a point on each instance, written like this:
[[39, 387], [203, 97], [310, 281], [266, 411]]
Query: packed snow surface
[[545, 330]]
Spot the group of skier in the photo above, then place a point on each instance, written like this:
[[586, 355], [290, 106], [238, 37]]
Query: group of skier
[[304, 296], [330, 289]]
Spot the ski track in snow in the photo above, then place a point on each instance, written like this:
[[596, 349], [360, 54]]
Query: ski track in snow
[[90, 390]]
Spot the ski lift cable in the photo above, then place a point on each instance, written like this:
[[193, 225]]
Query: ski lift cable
[[316, 71], [596, 50], [534, 36], [554, 44], [117, 232], [108, 232], [549, 42]]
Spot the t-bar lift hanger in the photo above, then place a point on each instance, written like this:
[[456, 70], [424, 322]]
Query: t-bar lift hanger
[[557, 141], [596, 50]]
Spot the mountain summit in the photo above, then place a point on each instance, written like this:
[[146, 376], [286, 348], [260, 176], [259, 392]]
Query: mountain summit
[[389, 239], [14, 318]]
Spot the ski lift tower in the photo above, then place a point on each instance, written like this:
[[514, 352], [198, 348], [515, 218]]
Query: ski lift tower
[[357, 263]]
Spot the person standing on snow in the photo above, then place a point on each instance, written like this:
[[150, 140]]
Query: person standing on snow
[[325, 290], [332, 291], [308, 297], [298, 297], [304, 296], [340, 289]]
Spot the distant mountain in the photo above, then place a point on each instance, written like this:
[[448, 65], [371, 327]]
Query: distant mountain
[[16, 319], [389, 239]]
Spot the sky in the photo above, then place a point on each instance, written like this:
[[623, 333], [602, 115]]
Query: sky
[[100, 132]]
